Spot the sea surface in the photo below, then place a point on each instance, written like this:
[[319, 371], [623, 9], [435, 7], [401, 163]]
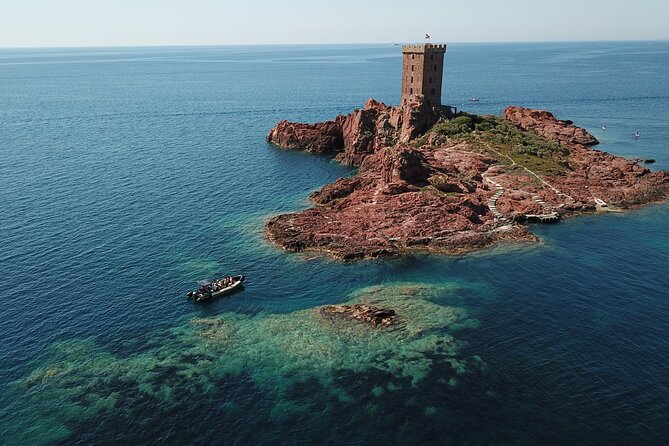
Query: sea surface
[[128, 174]]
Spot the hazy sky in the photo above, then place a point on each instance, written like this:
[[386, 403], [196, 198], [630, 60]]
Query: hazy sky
[[209, 22]]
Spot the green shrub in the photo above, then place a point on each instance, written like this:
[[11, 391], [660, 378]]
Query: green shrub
[[525, 147]]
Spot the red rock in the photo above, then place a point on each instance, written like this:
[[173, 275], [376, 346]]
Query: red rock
[[402, 163], [545, 124], [595, 174], [354, 136], [435, 197], [324, 137], [339, 189]]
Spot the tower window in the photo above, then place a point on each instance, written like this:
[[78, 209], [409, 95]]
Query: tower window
[[411, 67], [412, 56], [431, 56], [435, 68], [412, 79], [410, 90], [430, 81]]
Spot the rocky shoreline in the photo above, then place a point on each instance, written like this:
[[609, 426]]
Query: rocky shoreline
[[432, 180]]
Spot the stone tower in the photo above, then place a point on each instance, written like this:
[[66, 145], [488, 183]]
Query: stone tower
[[422, 72]]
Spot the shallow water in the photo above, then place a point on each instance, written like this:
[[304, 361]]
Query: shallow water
[[128, 174]]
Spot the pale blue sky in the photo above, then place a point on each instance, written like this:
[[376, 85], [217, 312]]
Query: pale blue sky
[[208, 22]]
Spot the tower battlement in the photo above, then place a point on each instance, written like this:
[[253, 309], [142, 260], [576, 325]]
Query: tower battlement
[[422, 48], [422, 72]]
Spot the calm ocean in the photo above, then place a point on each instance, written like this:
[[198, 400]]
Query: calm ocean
[[126, 175]]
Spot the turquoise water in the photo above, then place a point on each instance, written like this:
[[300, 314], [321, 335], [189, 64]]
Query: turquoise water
[[128, 174]]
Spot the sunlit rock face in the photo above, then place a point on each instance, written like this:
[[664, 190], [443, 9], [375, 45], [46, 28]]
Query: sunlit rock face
[[431, 182]]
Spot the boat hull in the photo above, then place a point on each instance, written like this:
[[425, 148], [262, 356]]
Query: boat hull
[[239, 281], [200, 296]]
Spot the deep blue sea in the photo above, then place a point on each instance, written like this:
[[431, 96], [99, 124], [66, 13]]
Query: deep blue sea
[[127, 174]]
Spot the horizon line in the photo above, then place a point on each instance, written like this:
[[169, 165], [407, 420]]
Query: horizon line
[[177, 45]]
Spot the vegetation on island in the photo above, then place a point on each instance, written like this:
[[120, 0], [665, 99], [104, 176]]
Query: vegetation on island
[[502, 140]]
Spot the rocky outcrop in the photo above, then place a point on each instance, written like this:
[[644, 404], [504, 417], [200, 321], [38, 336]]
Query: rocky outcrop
[[354, 136], [389, 209], [341, 188], [435, 195], [616, 180], [323, 137], [593, 173], [368, 314], [404, 164], [546, 125]]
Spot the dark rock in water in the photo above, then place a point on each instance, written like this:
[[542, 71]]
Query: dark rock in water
[[369, 314], [645, 160]]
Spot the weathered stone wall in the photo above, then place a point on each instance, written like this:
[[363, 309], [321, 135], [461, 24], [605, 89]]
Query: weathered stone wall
[[422, 73]]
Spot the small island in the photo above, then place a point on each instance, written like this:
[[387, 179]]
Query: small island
[[431, 178]]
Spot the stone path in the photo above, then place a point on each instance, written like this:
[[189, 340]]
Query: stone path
[[546, 209], [548, 215], [492, 201], [541, 180]]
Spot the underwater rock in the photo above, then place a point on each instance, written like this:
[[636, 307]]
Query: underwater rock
[[271, 353], [384, 317], [213, 329]]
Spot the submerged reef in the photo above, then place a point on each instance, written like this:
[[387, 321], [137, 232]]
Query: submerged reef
[[384, 317], [267, 353], [431, 180]]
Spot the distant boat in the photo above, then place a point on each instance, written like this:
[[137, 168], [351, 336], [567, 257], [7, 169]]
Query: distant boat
[[604, 127], [637, 134], [473, 99]]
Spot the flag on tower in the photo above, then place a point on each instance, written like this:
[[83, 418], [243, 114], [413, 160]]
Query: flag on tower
[[427, 36]]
